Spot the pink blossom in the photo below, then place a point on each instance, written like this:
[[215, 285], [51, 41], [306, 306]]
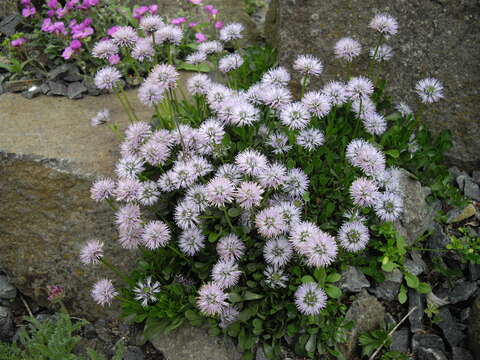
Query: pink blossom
[[200, 37], [218, 24], [112, 30], [195, 2], [53, 4], [140, 11], [25, 2], [71, 4], [153, 9], [75, 44], [60, 12], [192, 24], [18, 42], [55, 292], [67, 53], [51, 13], [28, 11], [179, 21]]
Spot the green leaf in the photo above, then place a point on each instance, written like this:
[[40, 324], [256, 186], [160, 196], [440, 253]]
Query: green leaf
[[393, 153], [189, 67], [402, 295], [311, 344], [424, 288], [234, 212], [251, 296], [307, 279], [412, 280], [235, 297], [320, 275], [333, 291], [333, 277], [388, 267]]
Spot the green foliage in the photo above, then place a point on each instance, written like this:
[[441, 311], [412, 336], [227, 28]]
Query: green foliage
[[372, 340], [52, 340], [467, 245], [251, 6]]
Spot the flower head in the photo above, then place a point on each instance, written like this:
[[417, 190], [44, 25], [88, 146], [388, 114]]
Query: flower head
[[270, 223], [353, 236], [275, 277], [251, 162], [107, 78], [102, 189], [102, 117], [210, 47], [231, 32], [277, 252], [150, 93], [191, 241], [211, 299], [359, 88], [125, 36], [230, 247], [151, 23], [170, 34], [385, 24], [220, 191], [156, 234], [295, 116], [296, 182], [195, 58], [308, 65], [230, 62], [321, 250], [382, 53], [310, 299], [104, 49], [336, 91], [430, 90], [186, 215], [248, 194], [92, 252], [317, 103], [143, 50], [103, 292], [277, 77], [310, 138], [366, 156], [199, 84], [225, 273], [364, 192], [388, 206], [347, 49], [145, 291], [273, 176]]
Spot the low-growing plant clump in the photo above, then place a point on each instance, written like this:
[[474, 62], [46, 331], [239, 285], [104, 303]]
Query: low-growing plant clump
[[245, 200]]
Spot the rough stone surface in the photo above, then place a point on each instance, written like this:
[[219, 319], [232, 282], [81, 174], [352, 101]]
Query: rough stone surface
[[8, 7], [49, 155], [429, 341], [7, 329], [400, 341], [462, 291], [133, 353], [353, 280], [416, 265], [438, 239], [452, 330], [57, 88], [457, 214], [416, 317], [430, 354], [76, 90], [417, 217], [7, 290], [471, 189], [474, 329], [422, 47], [9, 24], [388, 289], [461, 354], [367, 313], [190, 343]]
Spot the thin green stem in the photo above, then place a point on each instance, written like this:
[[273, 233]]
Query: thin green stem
[[115, 270], [227, 217]]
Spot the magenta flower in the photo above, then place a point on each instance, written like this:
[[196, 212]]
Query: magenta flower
[[140, 11], [114, 59], [192, 24], [25, 2], [28, 11], [53, 4], [195, 2], [153, 9], [218, 24], [200, 37], [55, 292], [112, 30], [18, 42], [67, 53], [179, 21], [51, 13]]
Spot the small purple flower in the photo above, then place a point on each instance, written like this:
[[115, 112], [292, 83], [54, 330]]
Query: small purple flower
[[220, 191], [92, 252], [218, 25], [310, 299], [145, 291], [231, 32], [103, 292], [430, 90], [385, 24], [179, 21], [107, 78], [353, 236], [191, 241], [156, 234], [277, 252], [270, 223], [364, 192], [211, 299], [18, 42], [102, 189], [200, 37], [28, 11], [225, 273], [347, 49], [308, 65], [230, 247]]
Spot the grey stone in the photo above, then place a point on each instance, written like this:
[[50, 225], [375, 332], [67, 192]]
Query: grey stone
[[76, 90], [459, 353], [474, 329], [9, 24], [367, 313], [465, 314], [456, 215], [461, 179], [455, 172], [260, 354], [462, 291], [45, 88], [8, 7], [353, 280], [476, 176], [438, 239], [388, 289], [400, 340], [474, 272], [430, 354], [20, 85], [390, 320], [471, 189], [49, 157], [133, 353], [34, 91], [89, 331], [7, 290], [61, 71], [91, 88], [190, 343], [7, 328], [452, 331], [415, 266], [57, 88], [312, 27], [416, 317], [73, 75], [430, 341], [417, 216]]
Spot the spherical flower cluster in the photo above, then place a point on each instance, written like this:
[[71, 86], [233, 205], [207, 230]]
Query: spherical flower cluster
[[156, 234], [317, 103], [347, 49], [231, 32], [102, 189], [310, 139], [107, 78], [367, 157], [430, 90], [230, 62], [92, 252], [168, 34], [191, 241], [103, 292], [385, 24], [308, 65], [125, 36], [383, 53], [277, 252], [225, 273], [353, 236], [310, 299], [230, 247], [211, 299], [145, 292], [295, 116]]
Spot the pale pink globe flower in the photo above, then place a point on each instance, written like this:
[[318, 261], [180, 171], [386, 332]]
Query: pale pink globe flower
[[347, 49], [277, 77], [308, 65], [248, 194], [317, 103], [145, 291], [125, 36], [230, 62], [430, 90], [103, 292], [295, 115], [310, 139], [275, 277], [107, 78], [231, 32], [353, 236], [270, 223], [156, 234], [388, 206], [251, 162], [230, 247], [102, 189], [383, 53], [296, 182], [191, 241], [321, 250], [225, 273], [364, 192], [310, 299], [92, 252], [277, 252], [211, 299], [385, 24]]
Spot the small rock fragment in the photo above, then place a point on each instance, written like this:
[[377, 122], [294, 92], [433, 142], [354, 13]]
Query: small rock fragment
[[400, 340], [452, 331], [388, 289], [7, 290], [353, 280], [459, 353], [430, 354], [416, 317], [457, 215], [462, 291], [430, 341], [7, 329], [9, 24], [76, 90]]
